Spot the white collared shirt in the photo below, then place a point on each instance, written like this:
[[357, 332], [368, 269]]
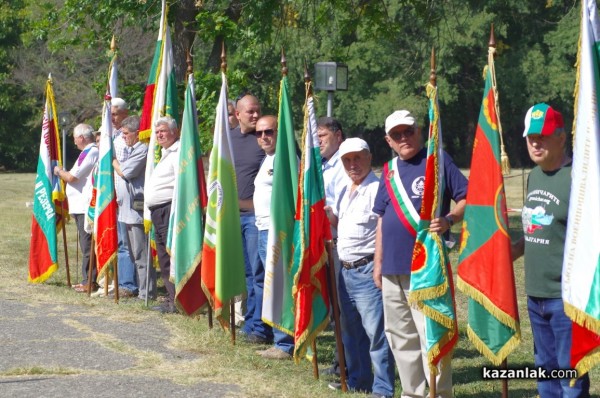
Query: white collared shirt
[[334, 178], [357, 223], [159, 190]]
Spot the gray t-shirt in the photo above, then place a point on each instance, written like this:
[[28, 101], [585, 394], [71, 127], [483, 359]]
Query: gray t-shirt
[[247, 157]]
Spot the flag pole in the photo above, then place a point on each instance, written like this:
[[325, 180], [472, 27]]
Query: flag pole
[[190, 71], [433, 82], [64, 235], [232, 301], [336, 316], [149, 264], [504, 162], [90, 264], [77, 251], [503, 157], [307, 81]]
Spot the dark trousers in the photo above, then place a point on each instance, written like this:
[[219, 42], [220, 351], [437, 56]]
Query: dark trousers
[[85, 244], [160, 220]]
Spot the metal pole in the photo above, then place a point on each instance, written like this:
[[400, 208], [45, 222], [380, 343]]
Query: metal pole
[[329, 103]]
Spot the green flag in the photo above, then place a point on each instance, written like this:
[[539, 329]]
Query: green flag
[[278, 305]]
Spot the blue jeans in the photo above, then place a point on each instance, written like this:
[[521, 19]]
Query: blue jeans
[[552, 347], [363, 333], [260, 328], [126, 266], [250, 244]]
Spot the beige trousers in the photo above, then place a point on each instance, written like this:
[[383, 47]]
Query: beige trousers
[[405, 331]]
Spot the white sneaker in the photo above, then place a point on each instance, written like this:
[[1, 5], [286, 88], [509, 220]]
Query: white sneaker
[[100, 291]]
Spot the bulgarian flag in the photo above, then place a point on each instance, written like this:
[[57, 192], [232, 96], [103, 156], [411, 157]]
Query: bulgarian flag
[[431, 274], [189, 201], [105, 214], [223, 273], [113, 91], [48, 199], [160, 98], [581, 267], [485, 271], [311, 298], [278, 304]]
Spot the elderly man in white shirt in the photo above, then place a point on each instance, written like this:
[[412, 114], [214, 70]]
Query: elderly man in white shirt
[[79, 192], [158, 197], [360, 300]]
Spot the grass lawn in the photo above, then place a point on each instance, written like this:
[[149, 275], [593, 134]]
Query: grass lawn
[[239, 364]]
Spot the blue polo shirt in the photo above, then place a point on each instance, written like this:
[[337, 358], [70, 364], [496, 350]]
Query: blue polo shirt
[[397, 242]]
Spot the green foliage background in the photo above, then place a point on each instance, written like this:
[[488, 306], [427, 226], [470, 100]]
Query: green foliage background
[[386, 45]]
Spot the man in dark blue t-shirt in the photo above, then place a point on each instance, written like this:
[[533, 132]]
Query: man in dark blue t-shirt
[[247, 157], [398, 204]]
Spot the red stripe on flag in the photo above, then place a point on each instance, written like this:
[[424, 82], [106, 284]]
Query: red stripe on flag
[[40, 261], [191, 297], [106, 241]]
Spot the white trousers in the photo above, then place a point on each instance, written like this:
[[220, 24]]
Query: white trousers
[[405, 331]]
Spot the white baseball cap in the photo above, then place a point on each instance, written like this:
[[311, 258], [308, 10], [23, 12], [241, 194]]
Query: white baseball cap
[[353, 145], [399, 118]]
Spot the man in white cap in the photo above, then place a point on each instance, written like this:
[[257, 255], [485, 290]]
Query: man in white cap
[[398, 204], [360, 300], [545, 214]]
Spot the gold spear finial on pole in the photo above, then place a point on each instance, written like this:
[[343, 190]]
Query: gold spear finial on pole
[[492, 42], [284, 69], [223, 58], [113, 44]]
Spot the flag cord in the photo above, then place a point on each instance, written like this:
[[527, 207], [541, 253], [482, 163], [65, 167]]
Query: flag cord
[[505, 163]]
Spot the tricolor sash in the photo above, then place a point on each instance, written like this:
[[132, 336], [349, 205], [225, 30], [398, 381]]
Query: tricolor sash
[[404, 207]]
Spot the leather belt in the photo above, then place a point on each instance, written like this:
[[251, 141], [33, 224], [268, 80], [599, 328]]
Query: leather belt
[[358, 263]]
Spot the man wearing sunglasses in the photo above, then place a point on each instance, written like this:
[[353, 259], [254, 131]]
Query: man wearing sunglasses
[[398, 204], [247, 157], [266, 136]]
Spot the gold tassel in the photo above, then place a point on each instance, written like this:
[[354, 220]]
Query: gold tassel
[[504, 162]]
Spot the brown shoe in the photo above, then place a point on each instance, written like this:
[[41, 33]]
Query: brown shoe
[[84, 288], [274, 353]]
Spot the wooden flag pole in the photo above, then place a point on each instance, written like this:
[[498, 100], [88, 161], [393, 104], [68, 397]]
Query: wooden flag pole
[[307, 82], [149, 263], [504, 161], [77, 251], [433, 82], [504, 381], [503, 157], [190, 71], [64, 235], [90, 264], [315, 359], [232, 320], [336, 316], [232, 301]]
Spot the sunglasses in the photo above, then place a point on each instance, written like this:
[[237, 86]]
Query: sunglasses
[[268, 133], [396, 135]]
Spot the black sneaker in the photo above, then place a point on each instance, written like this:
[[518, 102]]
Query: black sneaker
[[331, 371], [255, 339], [165, 308]]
